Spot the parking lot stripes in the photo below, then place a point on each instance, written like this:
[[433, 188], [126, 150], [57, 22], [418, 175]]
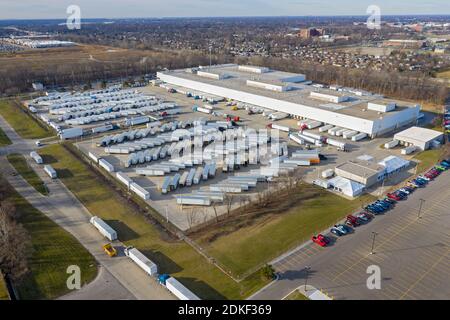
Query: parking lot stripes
[[424, 274]]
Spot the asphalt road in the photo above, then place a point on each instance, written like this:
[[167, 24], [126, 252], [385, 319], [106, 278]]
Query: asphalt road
[[64, 208], [412, 253]]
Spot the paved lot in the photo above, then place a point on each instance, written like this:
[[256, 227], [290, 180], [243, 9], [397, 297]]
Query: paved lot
[[412, 253]]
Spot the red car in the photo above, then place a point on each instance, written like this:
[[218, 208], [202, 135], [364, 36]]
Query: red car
[[393, 197], [321, 240], [352, 221]]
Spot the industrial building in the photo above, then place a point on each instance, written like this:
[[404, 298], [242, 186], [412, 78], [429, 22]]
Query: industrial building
[[420, 137], [368, 173], [294, 95]]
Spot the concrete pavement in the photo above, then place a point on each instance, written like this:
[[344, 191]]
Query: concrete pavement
[[64, 208], [412, 255]]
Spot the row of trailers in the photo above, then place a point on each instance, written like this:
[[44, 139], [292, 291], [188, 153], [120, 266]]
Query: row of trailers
[[148, 266], [48, 169]]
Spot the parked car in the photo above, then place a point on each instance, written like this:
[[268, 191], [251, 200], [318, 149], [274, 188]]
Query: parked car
[[393, 196], [340, 230], [321, 240], [364, 216], [352, 221]]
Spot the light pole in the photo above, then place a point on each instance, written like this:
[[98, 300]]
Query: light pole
[[307, 268], [373, 242], [420, 209]]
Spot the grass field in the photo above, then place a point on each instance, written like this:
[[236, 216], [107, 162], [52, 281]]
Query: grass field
[[3, 290], [172, 256], [19, 162], [272, 235], [52, 250], [4, 140], [428, 158], [23, 124], [296, 295]]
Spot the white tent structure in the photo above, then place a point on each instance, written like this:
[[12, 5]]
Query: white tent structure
[[394, 164], [346, 186]]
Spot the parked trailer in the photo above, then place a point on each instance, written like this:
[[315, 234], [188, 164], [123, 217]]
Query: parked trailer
[[303, 163], [308, 139], [122, 177], [217, 196], [349, 134], [175, 181], [391, 144], [340, 132], [359, 136], [333, 130], [106, 165], [194, 200], [101, 129], [136, 121], [141, 192], [50, 171], [314, 124], [318, 137], [183, 178], [409, 150], [296, 139], [338, 144], [190, 177], [142, 261], [166, 185], [150, 172], [281, 128], [71, 133], [327, 173], [179, 290], [36, 157], [203, 110], [198, 175], [205, 173], [226, 188], [326, 128], [94, 157], [104, 228]]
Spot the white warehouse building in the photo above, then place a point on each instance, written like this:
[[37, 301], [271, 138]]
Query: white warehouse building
[[292, 94]]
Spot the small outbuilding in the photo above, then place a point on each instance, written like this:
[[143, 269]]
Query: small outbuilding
[[419, 137]]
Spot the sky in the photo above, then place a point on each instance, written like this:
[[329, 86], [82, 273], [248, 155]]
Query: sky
[[56, 9]]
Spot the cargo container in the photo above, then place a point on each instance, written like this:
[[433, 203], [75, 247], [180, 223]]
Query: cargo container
[[101, 129], [198, 175], [296, 139], [298, 162], [71, 133], [175, 181], [279, 127], [391, 144], [338, 144], [307, 139], [340, 132], [194, 200], [183, 178], [36, 157], [205, 172], [409, 150], [203, 110], [106, 165], [142, 261], [104, 228], [278, 116], [216, 196], [315, 136], [226, 188], [359, 136], [326, 128], [190, 177], [94, 157], [166, 185], [242, 180], [122, 177], [327, 173], [314, 124], [150, 172], [333, 130], [136, 121], [349, 134], [179, 290], [50, 171], [140, 191]]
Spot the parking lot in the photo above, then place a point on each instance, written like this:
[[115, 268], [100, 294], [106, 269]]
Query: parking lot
[[412, 253]]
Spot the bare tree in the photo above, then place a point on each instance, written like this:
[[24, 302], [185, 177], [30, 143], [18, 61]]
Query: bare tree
[[229, 203]]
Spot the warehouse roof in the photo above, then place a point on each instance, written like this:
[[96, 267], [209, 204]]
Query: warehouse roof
[[300, 94], [393, 163], [361, 168], [348, 187], [418, 134]]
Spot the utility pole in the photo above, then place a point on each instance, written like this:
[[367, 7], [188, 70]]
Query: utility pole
[[373, 242], [210, 57], [307, 268], [420, 209]]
